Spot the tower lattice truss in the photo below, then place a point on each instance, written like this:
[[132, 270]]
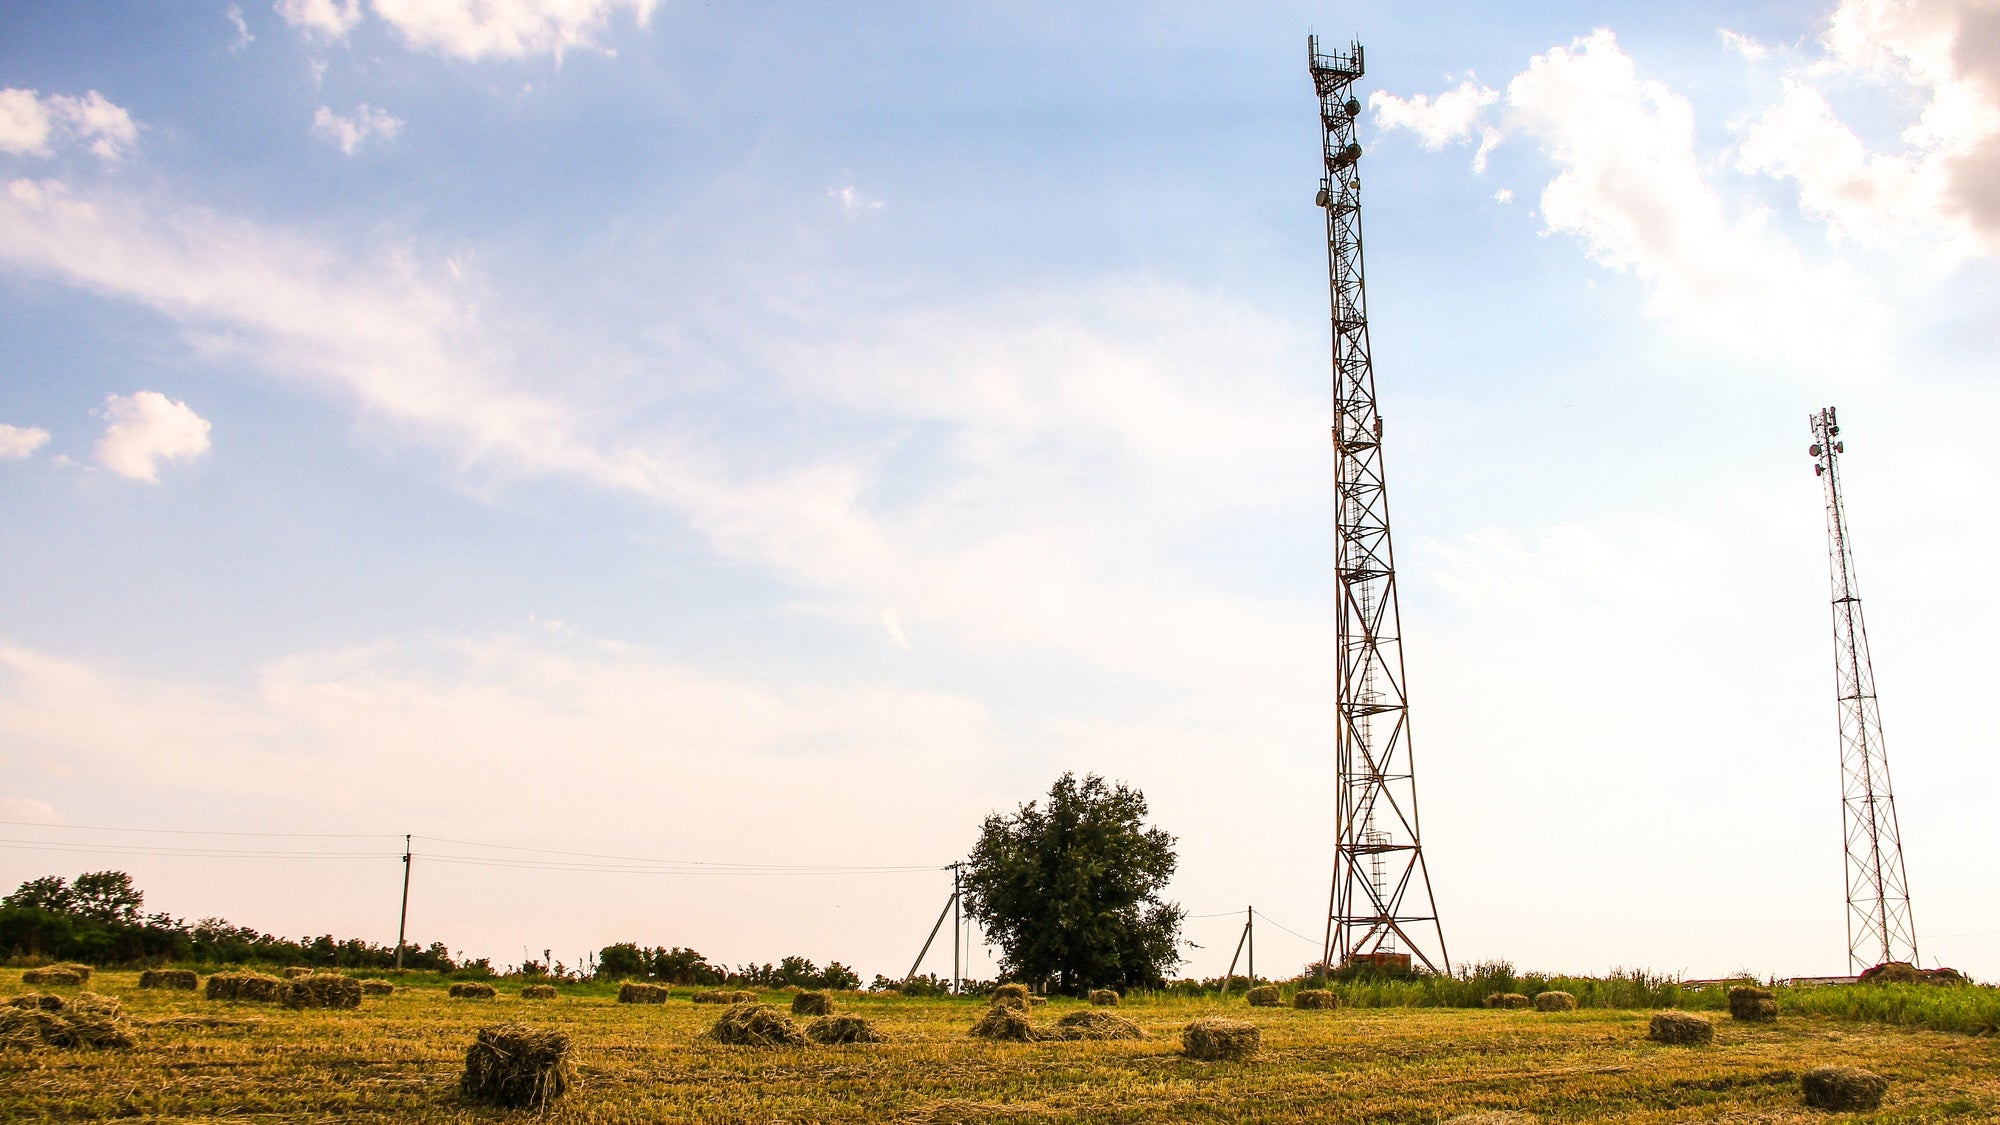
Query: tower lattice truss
[[1879, 927], [1382, 909]]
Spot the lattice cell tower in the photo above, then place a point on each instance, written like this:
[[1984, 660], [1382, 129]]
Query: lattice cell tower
[[1381, 909], [1879, 928]]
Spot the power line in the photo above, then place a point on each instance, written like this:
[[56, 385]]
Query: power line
[[811, 868], [200, 831], [182, 852]]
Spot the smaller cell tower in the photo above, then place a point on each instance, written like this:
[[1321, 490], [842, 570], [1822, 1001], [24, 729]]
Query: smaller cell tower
[[1879, 928]]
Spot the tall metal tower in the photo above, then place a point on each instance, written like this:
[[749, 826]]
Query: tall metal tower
[[1879, 927], [1381, 907]]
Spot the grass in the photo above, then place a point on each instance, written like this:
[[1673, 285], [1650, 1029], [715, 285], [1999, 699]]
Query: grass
[[398, 1058]]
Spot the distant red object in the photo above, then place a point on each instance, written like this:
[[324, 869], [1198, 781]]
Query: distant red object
[[1902, 972], [1385, 962]]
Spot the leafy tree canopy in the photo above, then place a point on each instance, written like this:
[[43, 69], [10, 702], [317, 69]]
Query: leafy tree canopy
[[1069, 889]]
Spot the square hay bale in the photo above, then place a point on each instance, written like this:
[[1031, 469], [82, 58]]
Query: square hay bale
[[472, 990], [377, 988], [1843, 1088], [320, 990], [53, 976], [1006, 1022], [639, 992], [1089, 1023], [1037, 1001], [1491, 1117], [812, 1004], [1265, 996], [89, 1020], [1754, 1005], [1214, 1038], [77, 967], [740, 996], [1508, 1000], [47, 1002], [1680, 1029], [756, 1025], [253, 987], [1012, 995], [538, 992], [713, 996], [843, 1029], [1315, 998], [170, 980], [517, 1066], [1104, 997], [294, 972], [1555, 1002]]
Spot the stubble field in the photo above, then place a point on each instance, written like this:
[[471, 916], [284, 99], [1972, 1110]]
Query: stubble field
[[398, 1058]]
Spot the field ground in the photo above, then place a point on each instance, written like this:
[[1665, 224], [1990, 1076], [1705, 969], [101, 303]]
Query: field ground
[[398, 1059]]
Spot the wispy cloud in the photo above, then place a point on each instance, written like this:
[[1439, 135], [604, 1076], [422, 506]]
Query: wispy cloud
[[17, 442], [348, 132], [145, 429]]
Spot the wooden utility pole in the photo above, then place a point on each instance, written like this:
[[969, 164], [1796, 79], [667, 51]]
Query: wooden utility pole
[[403, 922]]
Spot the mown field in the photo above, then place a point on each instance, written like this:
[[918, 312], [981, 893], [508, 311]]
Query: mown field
[[398, 1058]]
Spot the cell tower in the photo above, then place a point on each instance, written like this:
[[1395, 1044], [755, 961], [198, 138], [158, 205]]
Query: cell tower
[[1879, 928], [1381, 907]]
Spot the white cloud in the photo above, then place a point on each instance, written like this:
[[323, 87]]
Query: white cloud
[[1503, 196], [1456, 116], [29, 810], [17, 442], [234, 15], [145, 429], [1742, 44], [348, 132], [30, 123], [329, 19], [892, 624], [853, 200]]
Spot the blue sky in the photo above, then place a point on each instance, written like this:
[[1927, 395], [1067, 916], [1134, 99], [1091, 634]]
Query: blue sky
[[783, 436]]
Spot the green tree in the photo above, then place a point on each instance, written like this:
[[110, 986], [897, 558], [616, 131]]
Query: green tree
[[1069, 889], [106, 896]]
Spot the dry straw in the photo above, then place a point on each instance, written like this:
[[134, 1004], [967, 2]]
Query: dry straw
[[1491, 1117], [812, 1004], [517, 1066], [1754, 1005], [170, 980], [639, 992], [377, 988], [1104, 997], [1680, 1028], [1315, 998], [294, 972], [1216, 1038], [725, 996], [1091, 1024], [1506, 1000], [756, 1025], [473, 990], [1843, 1088], [1012, 995], [538, 992], [1003, 1021], [1555, 1002], [88, 1020], [1265, 996], [321, 990], [843, 1029], [242, 986], [45, 1001], [55, 975]]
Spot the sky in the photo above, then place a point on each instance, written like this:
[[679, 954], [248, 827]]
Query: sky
[[766, 440]]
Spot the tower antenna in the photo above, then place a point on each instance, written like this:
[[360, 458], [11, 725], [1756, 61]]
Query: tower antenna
[[1381, 910], [1879, 927]]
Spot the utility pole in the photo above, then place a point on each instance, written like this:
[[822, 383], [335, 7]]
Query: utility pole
[[403, 921], [950, 911], [957, 931], [1879, 926], [1381, 910], [1250, 934]]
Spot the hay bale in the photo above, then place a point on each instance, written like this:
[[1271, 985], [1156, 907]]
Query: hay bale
[[713, 996], [1754, 1005], [1104, 998], [517, 1066], [1006, 1022], [253, 987], [170, 980], [1555, 1002], [812, 1004], [1037, 1001], [756, 1025], [1265, 996], [55, 975], [1893, 972], [76, 967], [639, 992], [1092, 1024], [1012, 995], [1680, 1029], [1843, 1088], [472, 990], [843, 1029], [88, 1020], [294, 972], [1491, 1117], [320, 990], [1509, 1000], [1315, 998], [538, 992], [376, 988], [47, 1002], [1215, 1038]]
